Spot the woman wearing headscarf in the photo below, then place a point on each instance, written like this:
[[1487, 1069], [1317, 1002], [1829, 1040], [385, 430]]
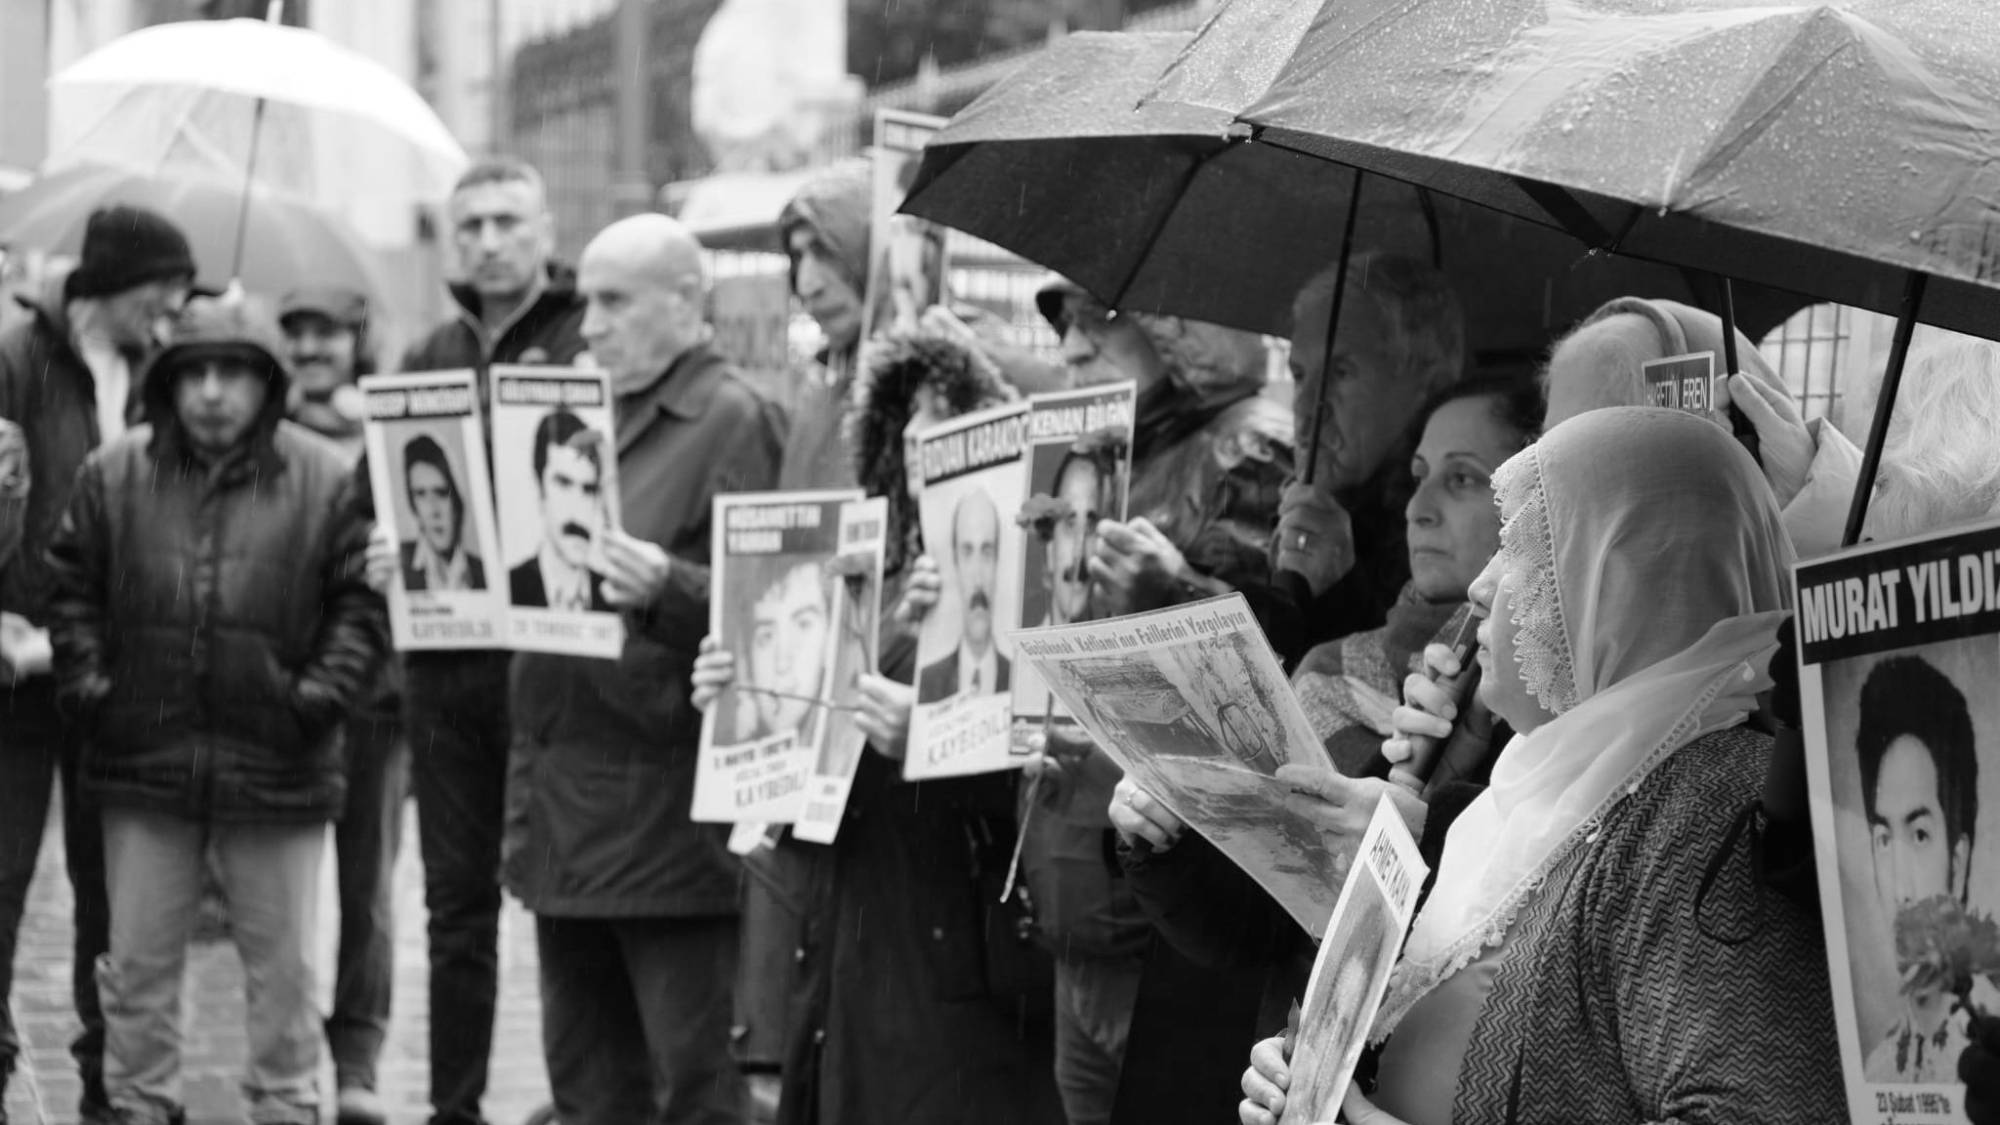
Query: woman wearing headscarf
[[912, 989], [1576, 959], [1205, 905]]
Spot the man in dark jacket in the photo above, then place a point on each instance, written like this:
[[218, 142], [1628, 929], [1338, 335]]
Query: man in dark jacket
[[1209, 454], [515, 306], [635, 905], [326, 336], [65, 373], [212, 630]]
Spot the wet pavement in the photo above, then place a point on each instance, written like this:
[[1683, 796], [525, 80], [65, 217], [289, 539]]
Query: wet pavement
[[44, 1090]]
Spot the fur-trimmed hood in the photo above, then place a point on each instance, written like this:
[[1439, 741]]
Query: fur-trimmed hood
[[880, 405]]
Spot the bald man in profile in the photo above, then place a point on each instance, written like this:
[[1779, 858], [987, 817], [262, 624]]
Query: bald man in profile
[[635, 906]]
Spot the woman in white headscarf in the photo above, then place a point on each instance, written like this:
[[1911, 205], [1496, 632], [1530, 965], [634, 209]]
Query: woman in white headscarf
[[1577, 959]]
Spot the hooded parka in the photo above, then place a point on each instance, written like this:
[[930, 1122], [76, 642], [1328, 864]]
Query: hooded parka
[[211, 622]]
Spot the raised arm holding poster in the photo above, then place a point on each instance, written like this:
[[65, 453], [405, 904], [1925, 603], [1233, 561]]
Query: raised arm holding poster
[[1899, 649], [427, 469], [1352, 970], [1079, 472], [974, 478], [908, 273], [1191, 703], [857, 635], [773, 603], [556, 474]]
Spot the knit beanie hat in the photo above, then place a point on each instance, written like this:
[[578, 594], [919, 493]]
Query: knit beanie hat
[[125, 247]]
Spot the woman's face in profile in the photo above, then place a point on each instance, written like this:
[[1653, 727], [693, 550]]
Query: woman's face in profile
[[1453, 526], [1502, 687]]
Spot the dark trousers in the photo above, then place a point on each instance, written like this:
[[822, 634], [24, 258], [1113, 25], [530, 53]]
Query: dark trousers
[[635, 1020], [455, 717], [365, 843], [36, 745]]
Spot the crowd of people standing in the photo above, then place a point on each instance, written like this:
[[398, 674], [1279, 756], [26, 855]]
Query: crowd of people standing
[[195, 647]]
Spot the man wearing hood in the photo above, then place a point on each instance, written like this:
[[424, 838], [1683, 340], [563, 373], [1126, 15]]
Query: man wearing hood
[[212, 630], [824, 231], [1209, 457], [514, 306], [66, 373]]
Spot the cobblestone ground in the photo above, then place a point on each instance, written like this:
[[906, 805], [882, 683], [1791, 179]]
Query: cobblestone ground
[[44, 1092]]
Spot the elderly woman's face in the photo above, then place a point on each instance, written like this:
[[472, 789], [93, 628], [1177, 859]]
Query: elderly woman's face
[[1454, 529], [1502, 687]]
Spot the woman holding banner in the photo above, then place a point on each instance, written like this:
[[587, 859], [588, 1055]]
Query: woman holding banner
[[1575, 959]]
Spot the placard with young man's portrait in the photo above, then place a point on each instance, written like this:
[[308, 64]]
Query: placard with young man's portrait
[[774, 604], [427, 470], [555, 471], [1900, 654]]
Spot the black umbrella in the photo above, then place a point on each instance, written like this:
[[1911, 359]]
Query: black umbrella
[[1848, 151], [1162, 209]]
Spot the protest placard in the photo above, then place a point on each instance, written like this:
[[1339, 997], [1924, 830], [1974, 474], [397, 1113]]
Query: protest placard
[[427, 470], [773, 605], [1079, 472], [858, 625], [908, 273], [1192, 704], [1899, 655], [974, 478], [1352, 971], [555, 475]]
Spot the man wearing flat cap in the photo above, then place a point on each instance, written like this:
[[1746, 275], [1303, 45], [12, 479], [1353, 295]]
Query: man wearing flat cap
[[68, 379], [326, 340]]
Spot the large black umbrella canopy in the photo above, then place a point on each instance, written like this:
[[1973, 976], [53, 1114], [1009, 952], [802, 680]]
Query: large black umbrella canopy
[[1834, 149], [1160, 209]]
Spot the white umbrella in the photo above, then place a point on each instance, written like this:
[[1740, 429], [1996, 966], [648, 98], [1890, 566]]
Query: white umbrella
[[286, 106]]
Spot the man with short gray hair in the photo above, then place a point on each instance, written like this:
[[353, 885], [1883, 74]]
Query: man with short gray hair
[[636, 906]]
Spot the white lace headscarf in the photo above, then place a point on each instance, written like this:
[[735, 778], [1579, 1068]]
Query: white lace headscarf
[[1646, 571]]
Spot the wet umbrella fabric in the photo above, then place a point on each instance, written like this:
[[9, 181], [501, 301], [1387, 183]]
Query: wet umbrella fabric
[[285, 243], [1827, 149], [1160, 210], [187, 91]]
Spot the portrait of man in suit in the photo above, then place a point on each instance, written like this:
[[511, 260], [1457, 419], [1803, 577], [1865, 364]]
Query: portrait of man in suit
[[976, 665], [439, 558], [569, 481]]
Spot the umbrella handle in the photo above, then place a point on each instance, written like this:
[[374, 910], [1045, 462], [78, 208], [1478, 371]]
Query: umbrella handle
[[1885, 404], [1739, 423]]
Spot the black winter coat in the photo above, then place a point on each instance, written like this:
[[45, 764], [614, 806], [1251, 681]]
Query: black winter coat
[[212, 625], [46, 388]]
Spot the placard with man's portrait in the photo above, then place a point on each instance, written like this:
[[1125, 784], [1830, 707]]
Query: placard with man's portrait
[[774, 604], [427, 470], [555, 470], [1079, 473], [974, 471], [1899, 649]]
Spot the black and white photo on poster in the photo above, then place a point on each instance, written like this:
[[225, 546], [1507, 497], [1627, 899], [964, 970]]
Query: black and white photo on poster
[[556, 477], [974, 479], [427, 470], [1351, 973], [1079, 472], [907, 274], [773, 605], [1193, 705], [1899, 647], [857, 640]]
